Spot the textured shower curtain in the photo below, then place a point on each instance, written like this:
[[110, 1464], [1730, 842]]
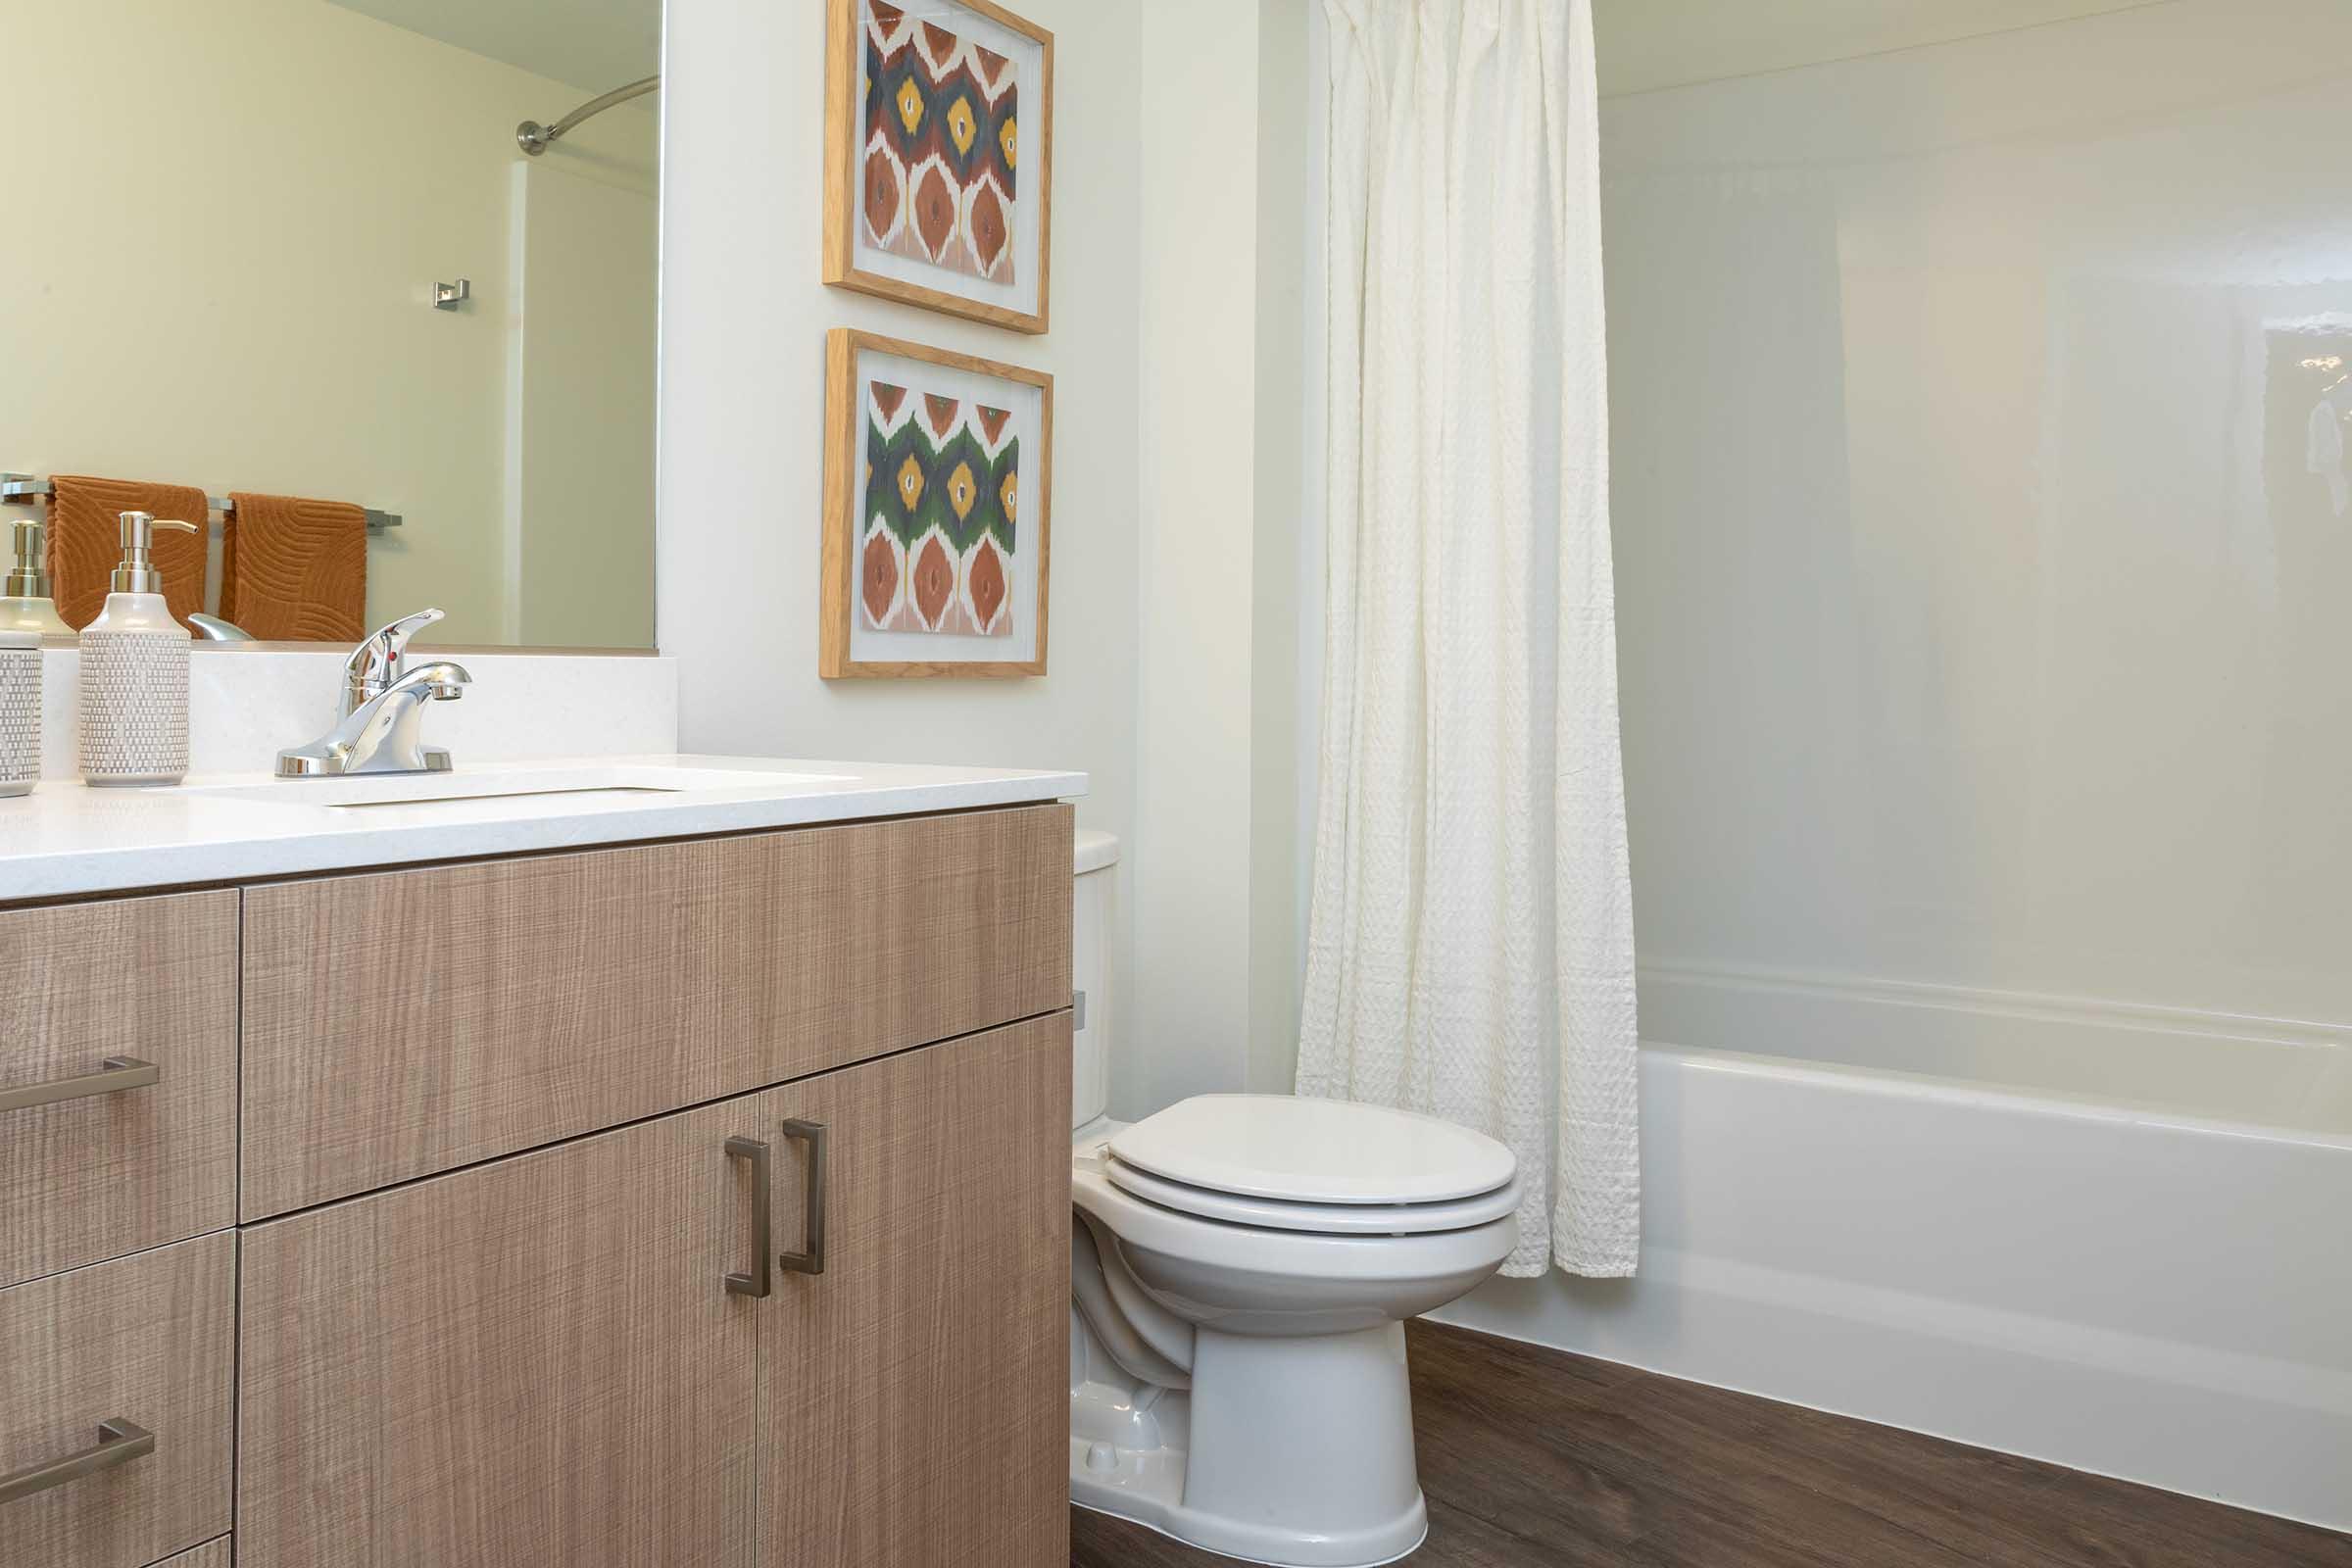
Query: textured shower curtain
[[1471, 949]]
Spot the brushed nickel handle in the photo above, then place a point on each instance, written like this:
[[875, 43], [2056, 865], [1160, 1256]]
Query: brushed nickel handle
[[118, 1443], [812, 1261], [115, 1074], [758, 1282]]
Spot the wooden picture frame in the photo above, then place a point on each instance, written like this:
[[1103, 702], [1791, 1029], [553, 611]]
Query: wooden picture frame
[[874, 624], [857, 173]]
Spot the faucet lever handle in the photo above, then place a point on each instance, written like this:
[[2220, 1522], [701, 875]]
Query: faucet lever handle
[[375, 663]]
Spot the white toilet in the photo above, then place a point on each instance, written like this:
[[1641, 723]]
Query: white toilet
[[1241, 1269]]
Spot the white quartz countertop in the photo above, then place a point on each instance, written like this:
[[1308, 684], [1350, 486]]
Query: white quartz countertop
[[66, 839]]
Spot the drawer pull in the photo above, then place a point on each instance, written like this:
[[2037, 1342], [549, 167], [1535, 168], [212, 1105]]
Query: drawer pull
[[116, 1074], [118, 1443], [758, 1282], [812, 1261]]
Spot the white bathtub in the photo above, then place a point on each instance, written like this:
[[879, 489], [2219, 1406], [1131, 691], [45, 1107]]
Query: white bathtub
[[1993, 1243]]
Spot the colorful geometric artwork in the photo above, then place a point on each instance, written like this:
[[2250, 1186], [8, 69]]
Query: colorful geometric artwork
[[941, 145], [942, 499], [938, 510]]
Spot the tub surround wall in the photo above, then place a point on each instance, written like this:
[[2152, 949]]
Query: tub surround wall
[[245, 703], [1981, 618]]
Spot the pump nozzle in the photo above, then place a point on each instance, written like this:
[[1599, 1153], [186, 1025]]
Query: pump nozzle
[[29, 566], [137, 573]]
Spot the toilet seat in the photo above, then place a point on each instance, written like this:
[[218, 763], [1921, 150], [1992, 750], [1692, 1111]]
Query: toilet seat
[[1325, 1219], [1285, 1149], [1297, 1266]]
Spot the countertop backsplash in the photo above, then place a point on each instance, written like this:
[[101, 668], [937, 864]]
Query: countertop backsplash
[[244, 704]]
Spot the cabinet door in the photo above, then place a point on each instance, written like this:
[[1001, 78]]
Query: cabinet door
[[915, 1403], [114, 1398], [401, 1023], [531, 1362], [118, 1078]]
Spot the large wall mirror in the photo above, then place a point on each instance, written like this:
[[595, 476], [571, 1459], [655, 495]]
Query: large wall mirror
[[297, 249]]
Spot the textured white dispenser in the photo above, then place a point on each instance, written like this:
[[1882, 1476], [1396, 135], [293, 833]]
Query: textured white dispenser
[[20, 712], [134, 672]]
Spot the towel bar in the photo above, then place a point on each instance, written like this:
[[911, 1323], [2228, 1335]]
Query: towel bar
[[22, 489]]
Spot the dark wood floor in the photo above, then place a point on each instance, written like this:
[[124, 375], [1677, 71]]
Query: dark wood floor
[[1534, 1458]]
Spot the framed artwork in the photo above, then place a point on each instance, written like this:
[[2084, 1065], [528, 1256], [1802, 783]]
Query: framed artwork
[[939, 472], [938, 157]]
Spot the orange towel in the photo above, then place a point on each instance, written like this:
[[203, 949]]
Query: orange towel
[[295, 570], [85, 543]]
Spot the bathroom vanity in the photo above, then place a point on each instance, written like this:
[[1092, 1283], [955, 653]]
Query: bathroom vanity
[[625, 1175]]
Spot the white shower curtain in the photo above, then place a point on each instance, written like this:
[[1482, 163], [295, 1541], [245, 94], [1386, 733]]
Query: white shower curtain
[[1471, 950]]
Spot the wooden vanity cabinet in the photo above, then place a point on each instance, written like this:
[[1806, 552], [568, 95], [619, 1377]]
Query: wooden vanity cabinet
[[541, 1361], [534, 1361], [686, 1204], [404, 1023], [914, 1396]]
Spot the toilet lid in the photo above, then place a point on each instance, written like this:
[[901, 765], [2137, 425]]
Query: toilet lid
[[1295, 1150], [1323, 1220]]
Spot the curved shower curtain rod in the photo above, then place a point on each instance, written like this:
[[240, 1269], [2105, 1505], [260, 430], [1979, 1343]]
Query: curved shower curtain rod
[[532, 137]]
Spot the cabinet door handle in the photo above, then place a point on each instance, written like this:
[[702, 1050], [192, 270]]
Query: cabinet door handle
[[812, 1261], [118, 1443], [115, 1074], [758, 1282]]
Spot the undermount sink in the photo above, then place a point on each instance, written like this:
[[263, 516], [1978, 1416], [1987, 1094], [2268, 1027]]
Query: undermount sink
[[366, 791]]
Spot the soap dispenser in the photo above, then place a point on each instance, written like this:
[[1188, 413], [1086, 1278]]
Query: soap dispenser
[[24, 602], [134, 672]]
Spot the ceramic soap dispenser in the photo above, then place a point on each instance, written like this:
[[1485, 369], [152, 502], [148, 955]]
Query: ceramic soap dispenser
[[134, 672], [24, 602]]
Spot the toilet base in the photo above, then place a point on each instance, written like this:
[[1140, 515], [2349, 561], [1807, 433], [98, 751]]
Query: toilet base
[[1296, 1452], [1178, 1523]]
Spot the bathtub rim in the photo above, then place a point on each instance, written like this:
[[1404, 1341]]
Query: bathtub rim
[[2031, 1098]]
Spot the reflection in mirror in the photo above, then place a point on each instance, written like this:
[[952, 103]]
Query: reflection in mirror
[[296, 249]]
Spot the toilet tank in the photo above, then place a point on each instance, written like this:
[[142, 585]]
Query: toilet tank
[[1089, 975]]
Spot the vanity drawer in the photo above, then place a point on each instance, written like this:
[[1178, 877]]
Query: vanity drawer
[[146, 1341], [130, 1159], [405, 1022]]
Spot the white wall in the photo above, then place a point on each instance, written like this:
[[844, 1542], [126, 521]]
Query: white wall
[[1151, 687], [1190, 879], [249, 701], [234, 215], [744, 320], [1287, 586]]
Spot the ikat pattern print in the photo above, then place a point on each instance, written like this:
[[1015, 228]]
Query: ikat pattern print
[[942, 497], [942, 143]]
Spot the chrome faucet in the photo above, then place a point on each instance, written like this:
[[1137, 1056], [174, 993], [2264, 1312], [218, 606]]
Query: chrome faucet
[[380, 718]]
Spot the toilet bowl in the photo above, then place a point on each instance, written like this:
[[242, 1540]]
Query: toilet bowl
[[1242, 1266]]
